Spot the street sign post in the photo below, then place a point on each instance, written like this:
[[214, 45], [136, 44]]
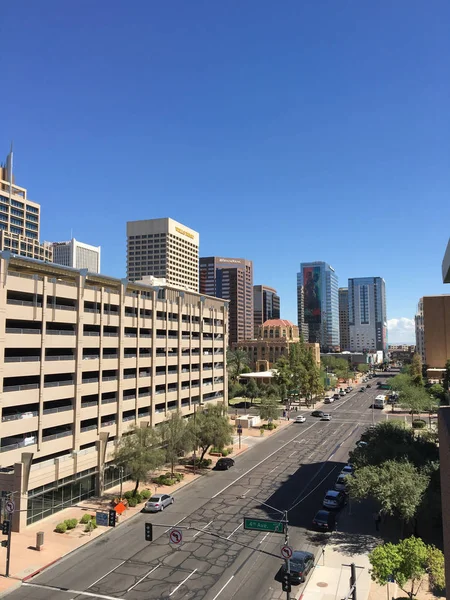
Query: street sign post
[[10, 506], [253, 524], [176, 536], [286, 552]]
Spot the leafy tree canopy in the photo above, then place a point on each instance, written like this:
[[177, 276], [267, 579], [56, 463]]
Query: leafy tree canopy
[[398, 487], [407, 562], [210, 427], [140, 453]]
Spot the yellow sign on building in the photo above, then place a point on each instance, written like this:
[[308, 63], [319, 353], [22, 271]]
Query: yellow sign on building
[[184, 232]]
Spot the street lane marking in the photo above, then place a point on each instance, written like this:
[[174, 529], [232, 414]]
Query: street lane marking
[[238, 527], [262, 461], [142, 578], [247, 492], [203, 529], [180, 584], [177, 523], [292, 453], [106, 574], [274, 469], [222, 588], [264, 537], [67, 591]]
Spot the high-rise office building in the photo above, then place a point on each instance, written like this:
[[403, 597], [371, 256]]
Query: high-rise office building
[[436, 325], [302, 325], [320, 308], [266, 306], [420, 331], [367, 314], [19, 218], [77, 255], [164, 249], [344, 331], [84, 358], [231, 279]]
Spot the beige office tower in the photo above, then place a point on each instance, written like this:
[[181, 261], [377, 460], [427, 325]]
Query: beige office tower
[[163, 248], [83, 358], [19, 218]]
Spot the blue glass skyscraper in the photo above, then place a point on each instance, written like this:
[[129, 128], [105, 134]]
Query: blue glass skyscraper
[[318, 298]]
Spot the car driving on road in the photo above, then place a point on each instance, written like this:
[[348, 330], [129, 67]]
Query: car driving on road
[[301, 564], [224, 463], [317, 413], [300, 419], [325, 417], [158, 502]]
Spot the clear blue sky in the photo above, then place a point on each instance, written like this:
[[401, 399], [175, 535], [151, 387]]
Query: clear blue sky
[[282, 132]]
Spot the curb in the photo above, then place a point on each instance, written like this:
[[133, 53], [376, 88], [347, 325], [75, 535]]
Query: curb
[[15, 586]]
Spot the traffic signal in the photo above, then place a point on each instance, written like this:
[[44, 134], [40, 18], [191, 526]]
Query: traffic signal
[[5, 527], [112, 518], [286, 582], [148, 532], [4, 543]]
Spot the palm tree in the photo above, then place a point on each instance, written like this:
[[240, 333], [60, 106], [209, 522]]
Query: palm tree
[[237, 360]]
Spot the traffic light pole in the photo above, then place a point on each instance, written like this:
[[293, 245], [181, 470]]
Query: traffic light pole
[[288, 562], [8, 551]]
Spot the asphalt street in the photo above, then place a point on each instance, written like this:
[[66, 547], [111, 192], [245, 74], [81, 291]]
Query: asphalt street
[[218, 559]]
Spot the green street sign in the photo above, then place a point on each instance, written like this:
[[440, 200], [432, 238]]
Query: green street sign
[[264, 525]]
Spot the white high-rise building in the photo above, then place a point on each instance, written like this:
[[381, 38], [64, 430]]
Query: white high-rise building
[[77, 255], [420, 331], [164, 249], [367, 314]]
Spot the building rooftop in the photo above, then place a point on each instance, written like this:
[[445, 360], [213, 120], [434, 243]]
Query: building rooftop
[[278, 323]]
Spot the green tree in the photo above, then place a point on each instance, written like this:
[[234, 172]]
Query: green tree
[[446, 379], [415, 370], [269, 409], [415, 399], [398, 487], [436, 569], [407, 562], [211, 427], [140, 453], [310, 385], [363, 368], [237, 361], [437, 391], [390, 440], [283, 376], [176, 438], [251, 390]]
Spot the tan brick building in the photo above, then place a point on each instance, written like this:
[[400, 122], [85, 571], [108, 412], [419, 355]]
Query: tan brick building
[[273, 340], [436, 326], [82, 358]]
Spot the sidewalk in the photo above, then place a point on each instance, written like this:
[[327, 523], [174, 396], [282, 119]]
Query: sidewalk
[[26, 561]]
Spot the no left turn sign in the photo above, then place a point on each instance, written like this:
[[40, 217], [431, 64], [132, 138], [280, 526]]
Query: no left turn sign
[[286, 552], [176, 536], [10, 506]]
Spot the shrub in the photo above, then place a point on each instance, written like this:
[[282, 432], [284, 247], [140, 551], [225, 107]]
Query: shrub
[[230, 449], [128, 494], [200, 464], [224, 452], [132, 502], [61, 528], [145, 494], [71, 523], [138, 497], [86, 518], [419, 424]]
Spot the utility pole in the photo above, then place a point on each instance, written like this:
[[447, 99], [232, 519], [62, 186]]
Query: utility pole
[[353, 580]]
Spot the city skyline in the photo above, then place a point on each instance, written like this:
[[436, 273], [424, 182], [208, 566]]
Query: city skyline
[[353, 155]]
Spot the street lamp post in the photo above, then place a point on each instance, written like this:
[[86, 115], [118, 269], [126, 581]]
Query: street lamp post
[[286, 531]]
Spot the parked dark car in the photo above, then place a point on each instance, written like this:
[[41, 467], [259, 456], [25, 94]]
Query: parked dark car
[[368, 385], [324, 521], [317, 413], [301, 564], [224, 463]]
